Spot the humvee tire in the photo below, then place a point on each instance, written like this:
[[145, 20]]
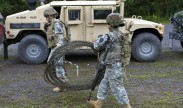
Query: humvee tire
[[146, 47], [33, 49], [181, 42]]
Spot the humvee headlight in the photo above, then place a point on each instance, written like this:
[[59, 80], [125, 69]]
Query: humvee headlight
[[8, 32], [160, 27], [10, 35]]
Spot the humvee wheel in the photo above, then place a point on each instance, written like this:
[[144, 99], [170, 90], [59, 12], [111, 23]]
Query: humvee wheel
[[146, 47], [181, 42], [33, 49]]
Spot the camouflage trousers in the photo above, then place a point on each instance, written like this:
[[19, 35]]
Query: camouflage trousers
[[113, 81], [59, 65]]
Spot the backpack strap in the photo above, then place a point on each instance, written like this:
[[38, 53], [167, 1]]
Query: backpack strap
[[68, 33]]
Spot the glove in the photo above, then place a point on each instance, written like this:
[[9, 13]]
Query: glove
[[52, 41]]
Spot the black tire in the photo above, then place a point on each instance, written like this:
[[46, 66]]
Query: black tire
[[181, 42], [146, 47], [33, 49]]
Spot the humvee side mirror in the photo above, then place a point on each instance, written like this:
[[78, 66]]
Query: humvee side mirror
[[43, 2], [129, 26], [32, 4]]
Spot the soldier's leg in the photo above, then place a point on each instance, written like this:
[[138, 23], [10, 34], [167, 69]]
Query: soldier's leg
[[59, 68], [119, 91], [60, 73], [102, 93], [103, 89]]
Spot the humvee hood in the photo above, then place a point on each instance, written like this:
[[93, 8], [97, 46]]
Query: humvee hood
[[29, 13], [18, 14], [141, 21]]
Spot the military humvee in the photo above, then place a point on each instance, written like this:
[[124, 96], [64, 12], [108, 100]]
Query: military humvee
[[87, 20]]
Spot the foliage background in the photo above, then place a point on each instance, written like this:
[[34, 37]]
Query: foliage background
[[153, 9], [8, 7], [148, 9]]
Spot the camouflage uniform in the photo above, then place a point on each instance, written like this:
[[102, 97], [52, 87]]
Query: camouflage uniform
[[56, 37], [113, 74], [55, 41]]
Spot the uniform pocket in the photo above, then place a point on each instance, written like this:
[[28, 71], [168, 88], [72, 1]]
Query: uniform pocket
[[116, 71]]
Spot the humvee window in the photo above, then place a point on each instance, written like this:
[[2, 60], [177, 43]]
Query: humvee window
[[74, 15], [101, 14]]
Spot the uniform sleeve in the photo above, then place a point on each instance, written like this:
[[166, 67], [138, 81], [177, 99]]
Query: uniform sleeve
[[58, 28], [100, 43]]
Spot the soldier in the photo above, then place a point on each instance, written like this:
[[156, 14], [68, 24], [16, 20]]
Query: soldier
[[56, 36], [113, 74], [1, 19]]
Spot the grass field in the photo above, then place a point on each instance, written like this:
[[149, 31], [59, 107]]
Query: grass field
[[149, 85]]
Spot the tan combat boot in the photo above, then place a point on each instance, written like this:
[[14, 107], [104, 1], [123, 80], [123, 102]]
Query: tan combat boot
[[58, 89], [96, 104], [126, 106]]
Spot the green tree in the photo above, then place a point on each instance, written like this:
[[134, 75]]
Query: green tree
[[153, 8], [8, 7], [145, 8]]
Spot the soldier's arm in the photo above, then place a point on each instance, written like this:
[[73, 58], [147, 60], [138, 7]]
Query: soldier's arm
[[58, 28], [100, 43]]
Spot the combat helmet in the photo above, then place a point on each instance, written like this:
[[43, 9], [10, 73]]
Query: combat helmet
[[50, 11], [115, 19]]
